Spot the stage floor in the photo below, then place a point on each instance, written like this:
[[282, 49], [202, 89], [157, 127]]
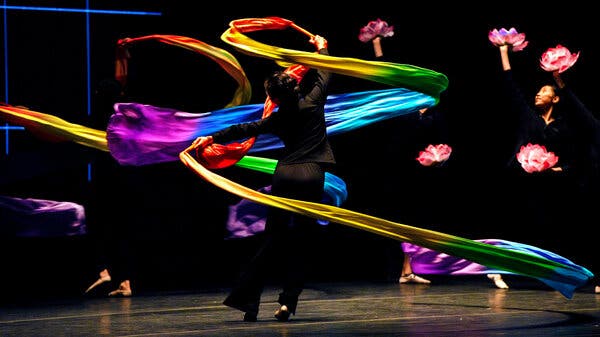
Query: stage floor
[[450, 306]]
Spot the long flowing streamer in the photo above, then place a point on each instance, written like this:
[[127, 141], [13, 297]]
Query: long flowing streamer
[[562, 277], [54, 128], [140, 134], [394, 74], [427, 261]]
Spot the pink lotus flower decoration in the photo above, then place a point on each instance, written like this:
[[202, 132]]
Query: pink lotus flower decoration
[[508, 37], [434, 154], [535, 158], [374, 29], [558, 58]]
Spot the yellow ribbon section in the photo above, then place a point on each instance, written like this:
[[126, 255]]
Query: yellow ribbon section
[[397, 75], [55, 128]]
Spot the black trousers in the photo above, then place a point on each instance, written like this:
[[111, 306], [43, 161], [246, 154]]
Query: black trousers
[[286, 241]]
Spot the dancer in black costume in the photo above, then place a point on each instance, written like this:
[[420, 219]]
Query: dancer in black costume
[[300, 174]]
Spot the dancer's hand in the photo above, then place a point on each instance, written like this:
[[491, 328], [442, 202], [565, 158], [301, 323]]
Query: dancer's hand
[[319, 42], [200, 143], [558, 79]]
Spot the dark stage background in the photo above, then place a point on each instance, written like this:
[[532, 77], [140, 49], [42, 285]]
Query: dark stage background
[[179, 220]]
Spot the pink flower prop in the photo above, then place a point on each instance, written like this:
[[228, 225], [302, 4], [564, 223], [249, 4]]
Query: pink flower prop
[[508, 37], [434, 154], [535, 158], [558, 58], [374, 29]]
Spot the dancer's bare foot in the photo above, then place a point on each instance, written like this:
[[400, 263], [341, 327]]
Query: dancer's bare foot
[[412, 278], [498, 281], [104, 277], [597, 290], [124, 290]]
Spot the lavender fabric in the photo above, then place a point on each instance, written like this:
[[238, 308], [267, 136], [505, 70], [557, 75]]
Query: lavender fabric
[[247, 218], [40, 218], [140, 134]]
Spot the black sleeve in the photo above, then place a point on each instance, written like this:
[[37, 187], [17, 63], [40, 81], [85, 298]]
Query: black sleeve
[[244, 130], [581, 116], [317, 89], [432, 125], [518, 104]]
